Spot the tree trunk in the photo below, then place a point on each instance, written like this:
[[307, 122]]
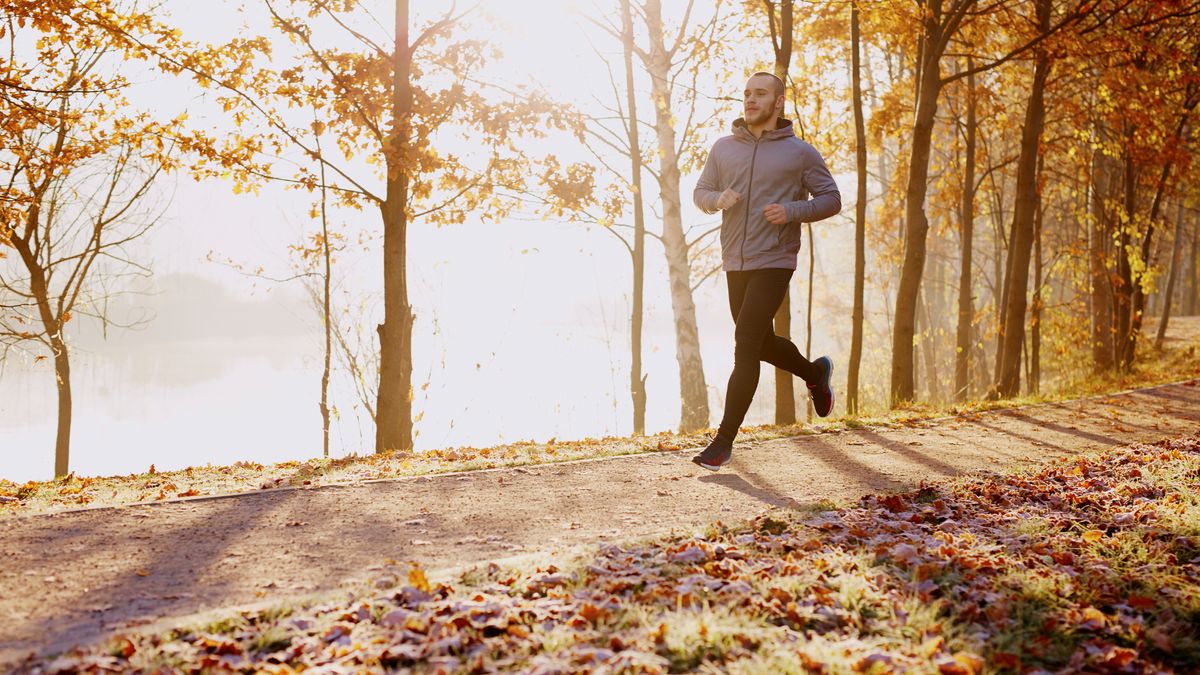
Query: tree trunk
[[637, 381], [916, 225], [393, 423], [999, 248], [694, 413], [785, 394], [928, 349], [1101, 281], [1035, 322], [1123, 297], [986, 375], [326, 300], [62, 375], [1008, 383], [980, 374], [966, 309], [812, 265], [1193, 287], [860, 219], [52, 326], [1002, 306], [1169, 291], [1139, 293]]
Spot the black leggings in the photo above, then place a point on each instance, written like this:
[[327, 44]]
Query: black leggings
[[754, 297]]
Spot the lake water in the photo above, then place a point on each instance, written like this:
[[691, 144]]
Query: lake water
[[533, 345]]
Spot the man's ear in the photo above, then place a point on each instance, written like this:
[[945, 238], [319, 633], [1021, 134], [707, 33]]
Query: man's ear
[[781, 102]]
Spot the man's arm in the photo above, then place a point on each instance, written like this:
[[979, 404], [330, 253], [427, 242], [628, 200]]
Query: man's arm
[[708, 189], [825, 200]]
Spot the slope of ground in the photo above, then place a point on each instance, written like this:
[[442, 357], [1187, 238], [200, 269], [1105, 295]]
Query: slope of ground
[[76, 576]]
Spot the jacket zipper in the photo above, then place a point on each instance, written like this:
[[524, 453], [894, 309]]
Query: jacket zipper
[[749, 191]]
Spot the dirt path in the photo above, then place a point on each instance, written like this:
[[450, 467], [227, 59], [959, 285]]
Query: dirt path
[[72, 577]]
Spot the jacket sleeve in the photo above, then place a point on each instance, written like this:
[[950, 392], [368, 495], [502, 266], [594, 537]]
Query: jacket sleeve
[[825, 200], [708, 187]]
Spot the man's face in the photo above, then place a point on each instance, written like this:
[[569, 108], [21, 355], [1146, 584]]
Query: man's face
[[759, 100]]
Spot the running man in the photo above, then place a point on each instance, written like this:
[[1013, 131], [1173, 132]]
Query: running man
[[761, 177]]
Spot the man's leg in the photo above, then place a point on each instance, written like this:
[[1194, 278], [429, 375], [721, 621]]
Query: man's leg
[[754, 297], [760, 295], [782, 353], [752, 302], [776, 350], [736, 281]]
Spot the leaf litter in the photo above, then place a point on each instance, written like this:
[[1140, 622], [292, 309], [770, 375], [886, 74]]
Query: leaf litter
[[1088, 564]]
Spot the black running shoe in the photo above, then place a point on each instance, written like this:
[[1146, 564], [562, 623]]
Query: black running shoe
[[821, 391], [718, 453]]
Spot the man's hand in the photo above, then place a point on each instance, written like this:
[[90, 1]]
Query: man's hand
[[776, 215], [727, 199]]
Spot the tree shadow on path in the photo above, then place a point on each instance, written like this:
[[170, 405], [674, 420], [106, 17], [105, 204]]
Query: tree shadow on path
[[1031, 440], [1053, 426], [734, 481], [908, 453], [1192, 403], [187, 568], [833, 457]]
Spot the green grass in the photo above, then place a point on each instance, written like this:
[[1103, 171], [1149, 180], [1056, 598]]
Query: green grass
[[231, 624], [271, 639]]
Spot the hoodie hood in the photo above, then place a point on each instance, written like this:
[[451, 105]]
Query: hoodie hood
[[783, 129]]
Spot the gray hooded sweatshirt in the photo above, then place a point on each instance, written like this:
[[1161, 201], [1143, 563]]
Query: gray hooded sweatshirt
[[777, 168]]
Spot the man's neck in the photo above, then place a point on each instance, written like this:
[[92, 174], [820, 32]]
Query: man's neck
[[759, 129]]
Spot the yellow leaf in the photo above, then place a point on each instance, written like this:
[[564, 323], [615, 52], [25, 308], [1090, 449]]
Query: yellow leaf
[[932, 646], [1092, 536], [417, 579], [972, 662]]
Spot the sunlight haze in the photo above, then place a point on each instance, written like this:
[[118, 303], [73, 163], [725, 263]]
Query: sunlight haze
[[521, 333]]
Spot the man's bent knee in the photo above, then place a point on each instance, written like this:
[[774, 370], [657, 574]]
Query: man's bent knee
[[746, 353]]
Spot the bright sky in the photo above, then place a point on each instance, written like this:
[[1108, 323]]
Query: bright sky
[[522, 329]]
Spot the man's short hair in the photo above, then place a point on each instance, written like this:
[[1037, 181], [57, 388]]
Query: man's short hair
[[780, 88]]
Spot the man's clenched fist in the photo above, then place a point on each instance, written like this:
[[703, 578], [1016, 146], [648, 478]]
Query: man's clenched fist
[[775, 214], [727, 199]]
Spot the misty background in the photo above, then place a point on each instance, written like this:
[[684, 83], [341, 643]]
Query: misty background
[[522, 329]]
